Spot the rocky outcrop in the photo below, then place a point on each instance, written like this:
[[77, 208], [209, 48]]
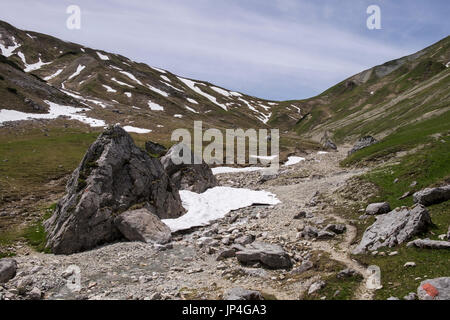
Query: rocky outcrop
[[155, 149], [242, 294], [362, 143], [193, 175], [327, 143], [394, 228], [270, 255], [113, 176], [378, 208], [8, 268], [430, 196], [142, 225], [429, 244], [434, 289]]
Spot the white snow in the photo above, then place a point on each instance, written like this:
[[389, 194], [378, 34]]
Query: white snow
[[371, 92], [82, 49], [322, 152], [447, 64], [114, 67], [132, 77], [169, 85], [214, 204], [165, 78], [55, 111], [293, 160], [83, 99], [128, 94], [102, 56], [121, 83], [178, 115], [298, 109], [190, 109], [53, 75], [222, 91], [155, 107], [160, 126], [261, 116], [264, 157], [163, 93], [108, 88], [192, 85], [136, 130], [192, 101], [31, 67], [76, 73], [8, 51], [220, 170], [157, 69]]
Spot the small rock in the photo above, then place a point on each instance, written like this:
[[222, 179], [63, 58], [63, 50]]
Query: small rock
[[336, 228], [8, 268], [300, 215], [242, 294], [410, 296], [378, 208], [409, 264], [323, 235], [225, 254], [35, 294], [429, 244], [316, 286], [393, 253]]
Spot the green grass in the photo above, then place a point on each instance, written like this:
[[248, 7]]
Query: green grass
[[29, 161]]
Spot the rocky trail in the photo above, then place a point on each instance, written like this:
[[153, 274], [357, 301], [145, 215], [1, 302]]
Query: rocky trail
[[188, 267]]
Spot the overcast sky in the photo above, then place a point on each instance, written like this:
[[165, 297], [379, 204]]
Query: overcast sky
[[275, 49]]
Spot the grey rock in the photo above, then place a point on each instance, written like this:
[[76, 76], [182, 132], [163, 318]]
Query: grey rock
[[448, 233], [336, 228], [155, 149], [429, 244], [305, 266], [8, 268], [348, 273], [300, 215], [393, 298], [405, 195], [309, 232], [323, 235], [225, 254], [195, 175], [35, 294], [394, 228], [378, 208], [242, 294], [431, 196], [441, 286], [243, 240], [327, 143], [410, 296], [316, 286], [362, 143], [142, 225], [270, 255], [113, 176]]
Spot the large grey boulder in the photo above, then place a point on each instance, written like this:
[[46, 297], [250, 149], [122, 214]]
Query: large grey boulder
[[434, 289], [193, 174], [242, 294], [430, 196], [378, 208], [142, 225], [394, 228], [113, 176], [362, 143], [429, 244], [327, 143], [8, 268], [270, 255]]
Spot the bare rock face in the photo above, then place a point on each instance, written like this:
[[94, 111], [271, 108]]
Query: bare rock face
[[327, 143], [434, 289], [8, 268], [242, 294], [429, 244], [155, 149], [394, 228], [188, 176], [271, 255], [142, 225], [378, 208], [362, 143], [113, 176], [430, 196]]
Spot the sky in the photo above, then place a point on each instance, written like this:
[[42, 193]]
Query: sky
[[273, 49]]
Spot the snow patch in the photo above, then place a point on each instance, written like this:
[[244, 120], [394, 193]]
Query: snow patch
[[121, 83], [293, 160], [165, 78], [31, 67], [214, 204], [128, 94], [220, 170], [192, 101], [53, 75], [108, 88], [102, 56], [178, 115], [163, 93], [155, 107], [8, 51], [136, 130], [132, 77], [192, 85], [79, 69], [55, 111], [191, 109]]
